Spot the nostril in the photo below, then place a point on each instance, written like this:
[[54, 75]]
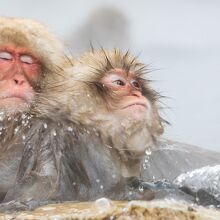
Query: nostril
[[16, 81], [137, 94]]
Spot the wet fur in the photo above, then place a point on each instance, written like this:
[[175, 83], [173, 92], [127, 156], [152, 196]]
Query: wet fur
[[71, 151], [35, 37]]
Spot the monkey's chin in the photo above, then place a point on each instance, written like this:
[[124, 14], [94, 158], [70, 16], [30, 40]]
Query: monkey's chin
[[136, 107], [13, 105], [135, 112]]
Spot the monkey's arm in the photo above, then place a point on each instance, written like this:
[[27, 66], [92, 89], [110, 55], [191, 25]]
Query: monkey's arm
[[37, 174], [9, 162], [59, 163], [52, 165], [55, 164], [11, 148]]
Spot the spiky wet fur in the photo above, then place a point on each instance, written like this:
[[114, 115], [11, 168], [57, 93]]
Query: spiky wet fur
[[81, 98]]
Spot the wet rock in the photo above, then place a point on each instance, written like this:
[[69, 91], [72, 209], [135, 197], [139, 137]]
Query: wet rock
[[204, 183], [169, 159], [106, 209]]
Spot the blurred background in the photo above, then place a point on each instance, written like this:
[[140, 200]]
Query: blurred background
[[180, 39]]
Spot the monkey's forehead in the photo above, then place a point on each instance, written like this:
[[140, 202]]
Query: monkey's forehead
[[28, 33], [106, 60]]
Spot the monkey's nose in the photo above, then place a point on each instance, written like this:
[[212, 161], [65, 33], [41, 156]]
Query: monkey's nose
[[18, 78], [136, 93], [18, 81]]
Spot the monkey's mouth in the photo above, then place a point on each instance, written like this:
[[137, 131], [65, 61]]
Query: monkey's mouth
[[14, 97], [137, 104]]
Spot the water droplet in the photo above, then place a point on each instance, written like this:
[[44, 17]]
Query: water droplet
[[16, 130], [141, 188], [113, 176], [148, 152], [45, 125], [23, 116], [103, 204]]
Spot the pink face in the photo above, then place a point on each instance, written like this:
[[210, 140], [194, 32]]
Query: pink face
[[17, 69], [129, 92]]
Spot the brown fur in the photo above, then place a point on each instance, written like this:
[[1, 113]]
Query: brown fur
[[80, 97], [84, 94], [34, 37]]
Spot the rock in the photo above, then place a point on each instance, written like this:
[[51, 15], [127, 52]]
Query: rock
[[106, 209], [203, 183], [169, 159]]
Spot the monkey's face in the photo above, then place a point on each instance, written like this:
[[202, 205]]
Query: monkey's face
[[127, 90], [19, 73]]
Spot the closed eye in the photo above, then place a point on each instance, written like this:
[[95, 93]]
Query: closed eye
[[5, 55], [27, 59]]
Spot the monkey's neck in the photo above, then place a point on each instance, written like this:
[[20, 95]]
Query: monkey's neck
[[130, 139], [131, 168]]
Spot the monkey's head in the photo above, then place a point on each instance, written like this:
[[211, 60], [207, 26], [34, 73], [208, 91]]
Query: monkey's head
[[111, 88], [27, 53], [106, 91]]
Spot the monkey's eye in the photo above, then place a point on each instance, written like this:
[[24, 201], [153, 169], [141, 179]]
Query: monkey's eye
[[5, 55], [27, 59], [119, 82], [136, 84]]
